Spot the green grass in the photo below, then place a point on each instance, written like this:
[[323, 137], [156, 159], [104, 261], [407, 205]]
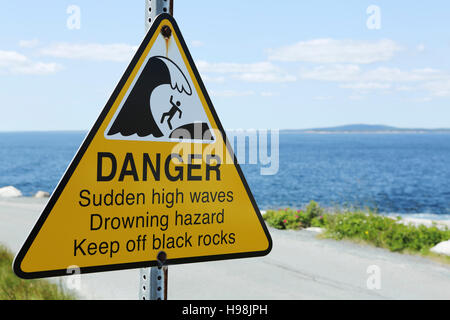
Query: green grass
[[362, 226], [14, 288]]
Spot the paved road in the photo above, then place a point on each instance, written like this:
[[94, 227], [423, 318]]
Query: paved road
[[299, 267]]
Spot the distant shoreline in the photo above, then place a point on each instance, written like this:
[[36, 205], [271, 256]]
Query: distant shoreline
[[345, 129], [364, 132], [366, 129]]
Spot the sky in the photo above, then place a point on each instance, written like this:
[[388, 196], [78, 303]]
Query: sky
[[266, 64]]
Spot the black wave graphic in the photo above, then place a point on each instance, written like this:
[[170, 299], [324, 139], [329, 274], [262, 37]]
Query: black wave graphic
[[135, 117], [194, 131]]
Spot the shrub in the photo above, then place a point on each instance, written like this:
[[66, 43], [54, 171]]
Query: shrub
[[283, 219], [313, 211], [366, 226], [384, 232], [295, 219]]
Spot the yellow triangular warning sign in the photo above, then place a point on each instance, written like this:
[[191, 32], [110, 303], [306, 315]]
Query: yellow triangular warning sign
[[154, 174]]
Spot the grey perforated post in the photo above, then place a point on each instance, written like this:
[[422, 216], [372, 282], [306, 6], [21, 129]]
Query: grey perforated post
[[144, 284], [155, 7], [153, 281]]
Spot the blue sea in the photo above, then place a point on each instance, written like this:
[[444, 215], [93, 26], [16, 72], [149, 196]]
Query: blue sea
[[406, 174]]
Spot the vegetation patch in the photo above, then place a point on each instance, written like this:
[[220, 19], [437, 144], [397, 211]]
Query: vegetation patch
[[361, 225], [14, 288]]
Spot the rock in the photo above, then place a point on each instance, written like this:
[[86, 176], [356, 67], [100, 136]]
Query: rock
[[42, 194], [10, 192], [315, 229], [442, 248]]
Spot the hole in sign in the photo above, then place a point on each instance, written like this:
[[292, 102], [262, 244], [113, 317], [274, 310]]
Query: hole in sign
[[161, 257]]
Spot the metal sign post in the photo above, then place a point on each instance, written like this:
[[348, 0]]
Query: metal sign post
[[153, 281], [155, 7]]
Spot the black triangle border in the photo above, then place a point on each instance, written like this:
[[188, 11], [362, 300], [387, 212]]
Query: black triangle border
[[85, 145]]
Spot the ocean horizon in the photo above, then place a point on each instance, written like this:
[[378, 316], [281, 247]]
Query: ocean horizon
[[406, 174]]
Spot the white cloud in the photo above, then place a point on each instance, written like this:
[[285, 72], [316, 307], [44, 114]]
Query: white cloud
[[365, 85], [423, 99], [11, 58], [207, 78], [117, 52], [323, 98], [243, 93], [12, 62], [356, 97], [266, 77], [29, 43], [335, 73], [405, 88], [352, 73], [38, 68], [231, 67], [436, 82], [336, 51], [248, 72], [397, 75], [439, 88], [197, 44], [232, 93], [269, 94]]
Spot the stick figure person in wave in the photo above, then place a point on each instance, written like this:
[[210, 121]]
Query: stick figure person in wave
[[171, 113], [144, 115]]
